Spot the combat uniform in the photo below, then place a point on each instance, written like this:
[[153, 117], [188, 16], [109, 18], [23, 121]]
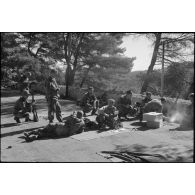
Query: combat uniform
[[89, 103], [143, 103], [109, 120], [52, 99], [71, 126], [124, 106], [153, 106], [22, 109]]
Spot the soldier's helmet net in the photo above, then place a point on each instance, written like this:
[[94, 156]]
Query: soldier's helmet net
[[79, 114], [111, 101], [53, 71], [25, 93], [90, 88], [129, 92], [148, 93]]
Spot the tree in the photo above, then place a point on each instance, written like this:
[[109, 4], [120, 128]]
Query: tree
[[153, 60], [78, 51], [178, 46]]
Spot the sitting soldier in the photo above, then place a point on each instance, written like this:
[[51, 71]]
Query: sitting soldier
[[147, 99], [154, 105], [74, 124], [108, 116], [89, 102], [144, 101], [103, 99], [124, 105], [22, 107]]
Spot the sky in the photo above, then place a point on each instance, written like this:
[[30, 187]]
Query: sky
[[141, 48]]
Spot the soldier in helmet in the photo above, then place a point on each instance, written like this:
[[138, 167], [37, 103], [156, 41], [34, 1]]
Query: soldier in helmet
[[22, 107], [52, 89], [108, 116]]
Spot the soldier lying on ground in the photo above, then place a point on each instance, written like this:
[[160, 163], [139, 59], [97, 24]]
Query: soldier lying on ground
[[124, 105], [89, 102], [108, 116], [23, 107], [74, 124]]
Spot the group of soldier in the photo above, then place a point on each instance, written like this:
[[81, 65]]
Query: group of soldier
[[108, 112]]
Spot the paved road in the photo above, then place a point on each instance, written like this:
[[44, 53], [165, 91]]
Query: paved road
[[174, 145]]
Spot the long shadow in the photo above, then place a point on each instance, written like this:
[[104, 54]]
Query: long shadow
[[9, 125], [141, 126], [19, 132], [181, 129]]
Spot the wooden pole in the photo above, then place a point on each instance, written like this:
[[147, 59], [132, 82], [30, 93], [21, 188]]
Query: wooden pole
[[162, 73]]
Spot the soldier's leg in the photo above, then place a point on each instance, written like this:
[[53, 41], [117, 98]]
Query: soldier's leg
[[19, 115], [95, 107], [58, 111], [100, 120], [50, 111], [27, 116], [86, 108]]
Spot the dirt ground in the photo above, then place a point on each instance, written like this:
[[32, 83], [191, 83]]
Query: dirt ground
[[174, 145]]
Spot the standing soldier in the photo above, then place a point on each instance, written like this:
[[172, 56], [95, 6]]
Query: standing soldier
[[90, 102], [52, 97], [124, 105]]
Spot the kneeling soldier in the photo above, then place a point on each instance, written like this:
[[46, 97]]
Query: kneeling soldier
[[22, 107], [108, 116], [89, 102]]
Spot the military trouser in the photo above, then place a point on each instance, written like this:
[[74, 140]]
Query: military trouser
[[54, 107], [110, 121], [91, 107], [123, 111], [22, 114]]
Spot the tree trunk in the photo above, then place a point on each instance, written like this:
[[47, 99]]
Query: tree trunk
[[153, 61], [85, 77], [67, 81]]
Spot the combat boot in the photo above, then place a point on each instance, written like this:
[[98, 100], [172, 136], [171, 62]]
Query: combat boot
[[17, 119]]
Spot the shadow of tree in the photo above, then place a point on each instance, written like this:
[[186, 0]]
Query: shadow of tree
[[18, 132], [9, 125]]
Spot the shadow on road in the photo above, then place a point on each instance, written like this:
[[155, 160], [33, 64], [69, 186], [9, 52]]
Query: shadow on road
[[19, 132], [9, 125]]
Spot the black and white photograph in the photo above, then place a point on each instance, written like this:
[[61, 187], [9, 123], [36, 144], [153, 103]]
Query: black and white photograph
[[97, 97]]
